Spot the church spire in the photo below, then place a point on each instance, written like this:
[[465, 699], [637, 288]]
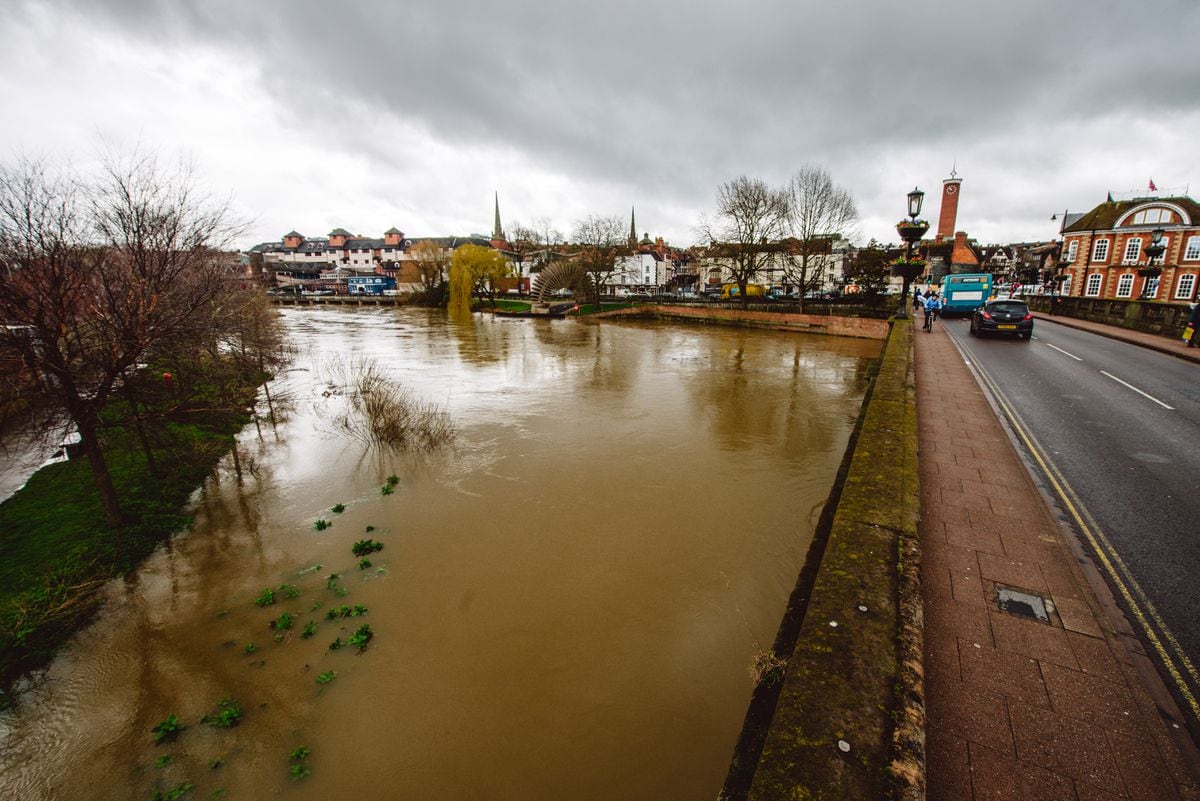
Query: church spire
[[632, 227], [497, 230]]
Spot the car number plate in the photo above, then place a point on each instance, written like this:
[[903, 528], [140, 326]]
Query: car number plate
[[1007, 327]]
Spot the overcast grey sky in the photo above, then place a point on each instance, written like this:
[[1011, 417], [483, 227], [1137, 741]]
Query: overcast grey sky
[[367, 114]]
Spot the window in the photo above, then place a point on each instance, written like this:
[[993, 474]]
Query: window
[[1193, 248], [1187, 283], [1065, 289], [1133, 249], [1100, 250], [1073, 250], [1152, 287], [1093, 285], [1151, 216], [1125, 285]]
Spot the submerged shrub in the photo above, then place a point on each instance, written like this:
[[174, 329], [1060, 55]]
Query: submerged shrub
[[382, 412], [364, 563], [310, 628], [364, 547], [283, 622], [321, 524], [326, 677], [338, 508], [289, 590], [266, 597], [227, 714], [166, 730], [361, 636], [174, 794]]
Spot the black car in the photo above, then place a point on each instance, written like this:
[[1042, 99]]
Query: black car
[[1003, 317]]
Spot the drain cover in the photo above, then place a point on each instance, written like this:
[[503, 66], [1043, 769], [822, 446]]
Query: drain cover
[[1023, 604]]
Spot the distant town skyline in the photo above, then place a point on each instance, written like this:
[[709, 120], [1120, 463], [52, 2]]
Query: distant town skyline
[[414, 115]]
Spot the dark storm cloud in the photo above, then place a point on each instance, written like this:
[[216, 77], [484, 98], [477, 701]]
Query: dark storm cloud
[[678, 95]]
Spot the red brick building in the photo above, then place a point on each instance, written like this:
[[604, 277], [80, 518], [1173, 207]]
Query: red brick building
[[1105, 247]]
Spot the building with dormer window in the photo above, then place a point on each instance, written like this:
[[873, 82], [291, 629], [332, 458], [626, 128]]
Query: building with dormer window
[[1104, 248]]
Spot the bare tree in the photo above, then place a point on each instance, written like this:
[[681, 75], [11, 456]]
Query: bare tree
[[751, 216], [97, 274], [601, 241], [432, 262], [819, 212]]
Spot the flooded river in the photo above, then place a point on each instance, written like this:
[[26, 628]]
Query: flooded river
[[565, 607]]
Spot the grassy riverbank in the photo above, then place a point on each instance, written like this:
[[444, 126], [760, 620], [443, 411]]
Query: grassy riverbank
[[56, 551]]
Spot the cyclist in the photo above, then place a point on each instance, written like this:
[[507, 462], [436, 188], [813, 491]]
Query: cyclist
[[932, 305]]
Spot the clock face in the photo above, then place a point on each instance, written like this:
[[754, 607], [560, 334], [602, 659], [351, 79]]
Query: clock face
[[951, 189]]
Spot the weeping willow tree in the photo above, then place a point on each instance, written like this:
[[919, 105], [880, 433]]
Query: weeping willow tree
[[475, 268], [462, 284]]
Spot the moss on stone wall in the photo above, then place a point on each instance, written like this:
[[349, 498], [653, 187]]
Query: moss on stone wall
[[850, 679]]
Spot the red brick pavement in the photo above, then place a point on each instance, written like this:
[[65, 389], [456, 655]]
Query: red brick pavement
[[1016, 708]]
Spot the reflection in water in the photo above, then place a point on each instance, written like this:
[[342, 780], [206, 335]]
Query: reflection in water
[[565, 607]]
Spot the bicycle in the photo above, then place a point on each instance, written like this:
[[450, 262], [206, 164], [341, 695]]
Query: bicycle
[[928, 321]]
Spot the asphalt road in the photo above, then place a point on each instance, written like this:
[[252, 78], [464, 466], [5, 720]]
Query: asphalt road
[[1118, 428]]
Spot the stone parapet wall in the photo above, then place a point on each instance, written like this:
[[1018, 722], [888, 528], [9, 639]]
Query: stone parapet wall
[[860, 327]]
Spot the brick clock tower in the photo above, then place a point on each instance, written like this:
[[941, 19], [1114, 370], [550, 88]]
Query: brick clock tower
[[949, 213]]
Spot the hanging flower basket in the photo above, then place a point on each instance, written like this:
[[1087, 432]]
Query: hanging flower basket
[[1061, 279], [912, 230], [1153, 271], [908, 268]]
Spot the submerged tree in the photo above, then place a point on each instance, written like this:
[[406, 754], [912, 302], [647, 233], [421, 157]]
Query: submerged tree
[[98, 274], [750, 219]]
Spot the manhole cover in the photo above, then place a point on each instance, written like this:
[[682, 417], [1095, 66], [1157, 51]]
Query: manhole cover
[[1023, 604]]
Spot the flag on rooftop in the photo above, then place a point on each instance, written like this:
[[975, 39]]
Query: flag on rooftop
[[1152, 187]]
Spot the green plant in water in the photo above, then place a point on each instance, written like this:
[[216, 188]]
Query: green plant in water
[[174, 794], [167, 730], [336, 644], [341, 592], [361, 636], [289, 590], [265, 598], [331, 580], [321, 524], [386, 489], [345, 611], [393, 480], [163, 761], [227, 714], [299, 769], [364, 547], [364, 563], [217, 794], [278, 637], [370, 529], [326, 677], [310, 628], [250, 648], [305, 571], [216, 763], [338, 508], [283, 622]]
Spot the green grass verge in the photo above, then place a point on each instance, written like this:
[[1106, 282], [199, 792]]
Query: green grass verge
[[509, 306], [590, 308], [56, 551]]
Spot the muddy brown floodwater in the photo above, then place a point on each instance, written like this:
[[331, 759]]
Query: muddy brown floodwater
[[566, 605]]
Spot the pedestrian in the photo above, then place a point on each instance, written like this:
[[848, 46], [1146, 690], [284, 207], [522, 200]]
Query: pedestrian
[[1194, 324], [916, 298]]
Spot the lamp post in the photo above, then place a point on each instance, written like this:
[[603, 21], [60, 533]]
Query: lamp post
[[911, 231], [1151, 270]]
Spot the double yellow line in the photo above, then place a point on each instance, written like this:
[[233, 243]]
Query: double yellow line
[[1174, 659]]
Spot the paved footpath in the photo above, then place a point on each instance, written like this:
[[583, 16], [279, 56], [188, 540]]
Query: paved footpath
[[1016, 708]]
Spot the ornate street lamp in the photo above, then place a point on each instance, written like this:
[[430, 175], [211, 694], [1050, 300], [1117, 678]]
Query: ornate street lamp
[[911, 231], [1151, 270]]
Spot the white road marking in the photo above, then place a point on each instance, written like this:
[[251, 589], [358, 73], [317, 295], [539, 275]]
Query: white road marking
[[1138, 391], [1072, 355]]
